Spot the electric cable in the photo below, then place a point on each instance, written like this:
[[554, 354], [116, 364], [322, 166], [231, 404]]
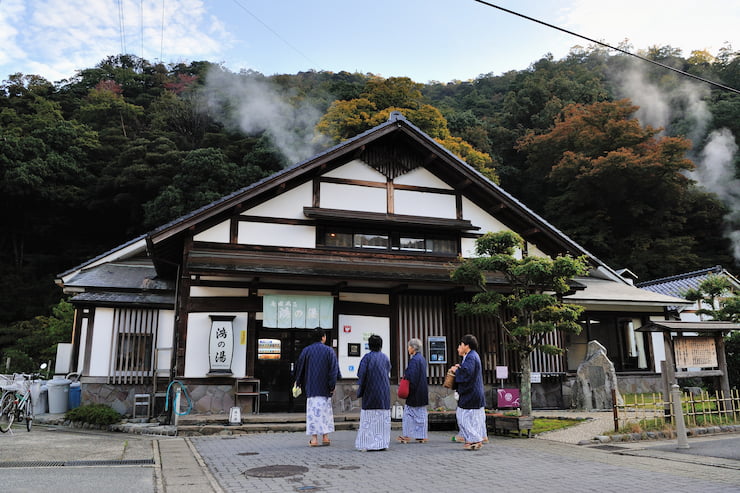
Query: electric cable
[[654, 62]]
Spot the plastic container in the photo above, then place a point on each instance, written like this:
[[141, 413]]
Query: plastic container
[[58, 389], [75, 394], [39, 394]]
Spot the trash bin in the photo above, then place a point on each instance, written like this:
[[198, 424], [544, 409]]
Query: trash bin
[[58, 389], [75, 394], [39, 396]]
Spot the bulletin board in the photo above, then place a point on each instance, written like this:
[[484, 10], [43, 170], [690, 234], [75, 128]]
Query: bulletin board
[[354, 332]]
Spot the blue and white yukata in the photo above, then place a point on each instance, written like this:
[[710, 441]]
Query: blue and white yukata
[[415, 417], [373, 385], [471, 412], [317, 371]]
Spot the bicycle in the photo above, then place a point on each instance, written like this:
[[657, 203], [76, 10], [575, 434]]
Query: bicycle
[[16, 404]]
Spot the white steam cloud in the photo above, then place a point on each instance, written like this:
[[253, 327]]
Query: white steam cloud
[[715, 167], [254, 105]]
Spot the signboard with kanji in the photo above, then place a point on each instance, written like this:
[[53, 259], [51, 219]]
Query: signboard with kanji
[[695, 352]]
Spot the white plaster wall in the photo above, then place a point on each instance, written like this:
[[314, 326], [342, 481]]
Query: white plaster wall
[[356, 170], [165, 339], [219, 233], [288, 235], [352, 197], [210, 291], [288, 205], [658, 349], [381, 299], [480, 217], [424, 204], [101, 343], [196, 352], [421, 177]]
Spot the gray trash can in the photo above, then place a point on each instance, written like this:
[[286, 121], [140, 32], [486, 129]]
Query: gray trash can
[[58, 389], [40, 397]]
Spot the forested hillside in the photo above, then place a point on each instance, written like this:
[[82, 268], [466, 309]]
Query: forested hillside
[[620, 155]]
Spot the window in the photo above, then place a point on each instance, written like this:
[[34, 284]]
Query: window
[[627, 349], [134, 334], [383, 240]]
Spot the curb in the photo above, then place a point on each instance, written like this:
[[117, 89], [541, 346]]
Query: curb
[[660, 435]]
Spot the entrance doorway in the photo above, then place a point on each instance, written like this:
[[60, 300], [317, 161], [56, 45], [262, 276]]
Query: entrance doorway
[[277, 353]]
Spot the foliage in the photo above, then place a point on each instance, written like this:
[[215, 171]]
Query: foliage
[[533, 308], [95, 414], [712, 294], [30, 343]]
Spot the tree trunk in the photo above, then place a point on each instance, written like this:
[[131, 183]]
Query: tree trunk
[[525, 387]]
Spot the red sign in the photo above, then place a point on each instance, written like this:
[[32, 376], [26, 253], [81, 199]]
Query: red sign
[[347, 329]]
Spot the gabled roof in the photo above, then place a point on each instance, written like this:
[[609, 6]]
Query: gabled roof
[[711, 326], [678, 285], [165, 243]]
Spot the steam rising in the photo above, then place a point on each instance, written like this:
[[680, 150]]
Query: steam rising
[[254, 105], [715, 167]]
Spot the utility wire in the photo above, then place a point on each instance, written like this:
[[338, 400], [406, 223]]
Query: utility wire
[[161, 37], [276, 34], [716, 84], [121, 27]]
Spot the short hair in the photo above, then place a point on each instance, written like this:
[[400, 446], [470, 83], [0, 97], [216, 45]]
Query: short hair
[[318, 333], [416, 344], [375, 342], [471, 341]]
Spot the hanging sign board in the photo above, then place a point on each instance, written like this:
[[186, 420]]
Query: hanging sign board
[[221, 344], [437, 349], [695, 352]]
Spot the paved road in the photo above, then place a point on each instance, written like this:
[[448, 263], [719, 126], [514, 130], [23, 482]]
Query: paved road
[[283, 462], [246, 463]]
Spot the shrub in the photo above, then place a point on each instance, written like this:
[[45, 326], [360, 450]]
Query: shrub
[[96, 414]]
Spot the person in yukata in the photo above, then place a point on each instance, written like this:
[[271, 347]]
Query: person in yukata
[[317, 372], [415, 422], [373, 386], [471, 413]]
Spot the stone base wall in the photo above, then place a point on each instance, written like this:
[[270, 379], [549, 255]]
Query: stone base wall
[[552, 393]]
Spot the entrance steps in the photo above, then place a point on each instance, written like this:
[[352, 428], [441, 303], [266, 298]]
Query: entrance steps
[[218, 424]]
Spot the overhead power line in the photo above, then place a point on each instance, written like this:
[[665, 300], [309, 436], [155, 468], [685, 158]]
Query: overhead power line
[[716, 84]]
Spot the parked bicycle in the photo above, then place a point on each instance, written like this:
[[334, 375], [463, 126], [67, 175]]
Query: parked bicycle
[[16, 403]]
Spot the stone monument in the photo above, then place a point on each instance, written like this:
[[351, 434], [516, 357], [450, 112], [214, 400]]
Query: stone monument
[[595, 380]]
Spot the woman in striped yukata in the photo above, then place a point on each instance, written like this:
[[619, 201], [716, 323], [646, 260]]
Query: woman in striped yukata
[[415, 421], [373, 386], [471, 412]]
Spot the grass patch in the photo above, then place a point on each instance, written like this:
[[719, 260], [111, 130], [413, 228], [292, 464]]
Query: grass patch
[[542, 425]]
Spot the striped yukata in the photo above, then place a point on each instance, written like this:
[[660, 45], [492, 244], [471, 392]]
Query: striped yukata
[[373, 386], [415, 420], [317, 371], [471, 412]]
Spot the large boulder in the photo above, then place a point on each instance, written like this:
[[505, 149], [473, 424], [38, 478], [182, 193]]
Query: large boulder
[[595, 380]]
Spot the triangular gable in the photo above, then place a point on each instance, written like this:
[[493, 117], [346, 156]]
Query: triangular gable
[[393, 149]]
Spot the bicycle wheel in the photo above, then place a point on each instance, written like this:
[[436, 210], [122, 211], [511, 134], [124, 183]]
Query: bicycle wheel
[[28, 412], [7, 411]]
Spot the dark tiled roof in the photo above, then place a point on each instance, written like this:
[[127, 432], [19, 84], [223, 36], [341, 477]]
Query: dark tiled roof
[[678, 285], [109, 298], [125, 275]]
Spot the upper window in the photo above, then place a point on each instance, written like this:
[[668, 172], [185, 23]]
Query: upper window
[[389, 241]]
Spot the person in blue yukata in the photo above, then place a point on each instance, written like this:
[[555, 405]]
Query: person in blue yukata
[[374, 387], [415, 416], [317, 372], [471, 412]]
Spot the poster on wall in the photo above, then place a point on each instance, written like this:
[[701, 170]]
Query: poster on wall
[[355, 330], [437, 349], [221, 344]]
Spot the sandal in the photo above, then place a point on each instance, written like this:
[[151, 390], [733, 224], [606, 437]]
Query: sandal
[[403, 439], [326, 443], [421, 440], [472, 446], [313, 444]]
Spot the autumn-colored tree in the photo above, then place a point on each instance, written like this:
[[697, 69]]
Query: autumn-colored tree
[[616, 187]]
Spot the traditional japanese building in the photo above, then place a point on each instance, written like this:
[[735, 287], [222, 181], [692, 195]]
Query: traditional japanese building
[[359, 239]]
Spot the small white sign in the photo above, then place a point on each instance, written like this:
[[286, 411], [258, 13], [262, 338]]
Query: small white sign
[[502, 372], [535, 377]]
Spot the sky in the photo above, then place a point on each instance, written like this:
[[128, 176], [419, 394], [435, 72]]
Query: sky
[[426, 40]]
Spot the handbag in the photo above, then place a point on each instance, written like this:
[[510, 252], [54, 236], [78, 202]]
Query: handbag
[[403, 388], [296, 390], [449, 382]]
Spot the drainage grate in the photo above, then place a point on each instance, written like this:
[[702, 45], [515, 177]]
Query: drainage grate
[[248, 453], [72, 463], [277, 471], [607, 447]]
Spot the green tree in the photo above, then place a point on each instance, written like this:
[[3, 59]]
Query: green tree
[[532, 308], [716, 299]]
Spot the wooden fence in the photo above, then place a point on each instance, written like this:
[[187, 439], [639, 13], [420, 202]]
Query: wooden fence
[[650, 411]]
